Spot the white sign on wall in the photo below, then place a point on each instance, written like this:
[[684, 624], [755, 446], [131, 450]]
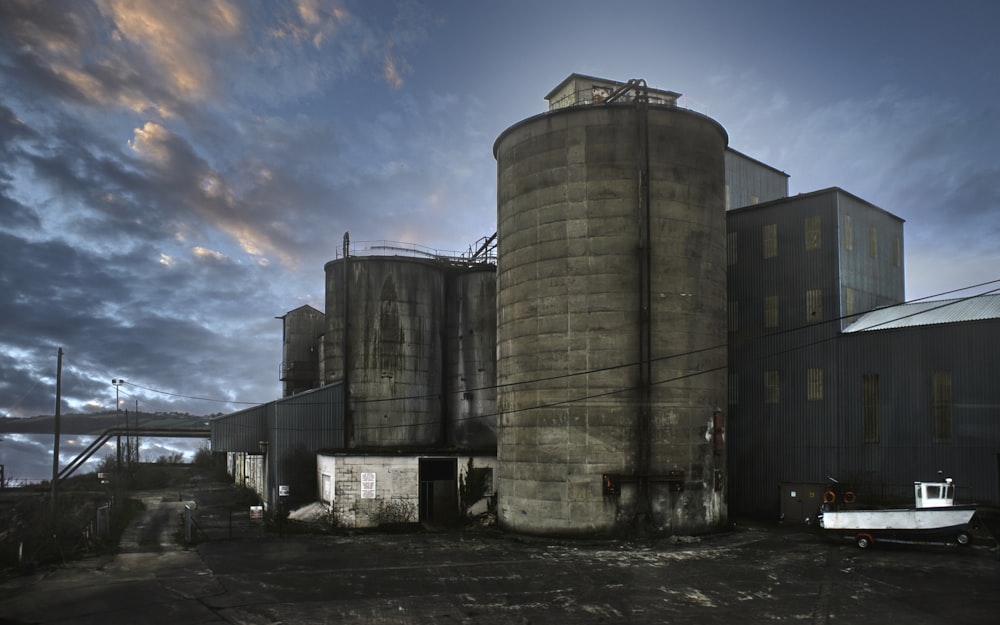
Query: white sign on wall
[[368, 486]]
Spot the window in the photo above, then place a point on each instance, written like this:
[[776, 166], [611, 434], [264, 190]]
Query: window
[[753, 199], [731, 248], [849, 305], [815, 385], [942, 406], [812, 233], [771, 311], [870, 407], [897, 252], [772, 387], [814, 306], [770, 240], [848, 233], [873, 242], [729, 202]]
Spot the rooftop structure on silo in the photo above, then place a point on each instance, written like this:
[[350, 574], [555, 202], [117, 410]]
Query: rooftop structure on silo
[[580, 89]]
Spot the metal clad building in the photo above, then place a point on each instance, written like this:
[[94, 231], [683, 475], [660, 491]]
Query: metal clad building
[[749, 182], [920, 395], [275, 443], [298, 427], [240, 435], [241, 431], [800, 269]]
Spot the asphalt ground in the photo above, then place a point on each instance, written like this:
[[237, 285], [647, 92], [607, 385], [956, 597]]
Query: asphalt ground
[[751, 574]]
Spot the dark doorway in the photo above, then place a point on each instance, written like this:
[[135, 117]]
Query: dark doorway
[[438, 490]]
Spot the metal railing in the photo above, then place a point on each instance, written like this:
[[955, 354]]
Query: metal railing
[[396, 248]]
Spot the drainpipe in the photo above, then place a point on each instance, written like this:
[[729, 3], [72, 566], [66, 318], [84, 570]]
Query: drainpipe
[[348, 420], [643, 430]]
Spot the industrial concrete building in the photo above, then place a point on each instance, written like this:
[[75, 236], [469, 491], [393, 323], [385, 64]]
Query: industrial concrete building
[[388, 393], [663, 339], [611, 313]]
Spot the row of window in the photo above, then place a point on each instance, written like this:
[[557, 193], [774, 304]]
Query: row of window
[[813, 240], [814, 309], [941, 400]]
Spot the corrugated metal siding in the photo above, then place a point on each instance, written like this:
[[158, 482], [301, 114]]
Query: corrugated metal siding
[[796, 438], [294, 428], [751, 182], [241, 431], [298, 427], [929, 313], [907, 449], [876, 276]]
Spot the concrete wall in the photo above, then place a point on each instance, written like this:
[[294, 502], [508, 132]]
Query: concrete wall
[[396, 483], [470, 359], [301, 329], [568, 292], [394, 348]]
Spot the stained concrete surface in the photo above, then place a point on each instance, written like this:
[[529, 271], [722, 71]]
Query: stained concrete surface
[[753, 574]]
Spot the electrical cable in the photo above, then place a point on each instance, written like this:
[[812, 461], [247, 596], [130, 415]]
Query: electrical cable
[[769, 335]]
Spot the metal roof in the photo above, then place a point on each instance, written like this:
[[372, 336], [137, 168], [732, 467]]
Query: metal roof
[[975, 308]]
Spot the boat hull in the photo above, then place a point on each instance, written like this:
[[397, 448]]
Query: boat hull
[[921, 522]]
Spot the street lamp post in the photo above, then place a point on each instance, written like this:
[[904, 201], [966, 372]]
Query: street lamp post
[[118, 422]]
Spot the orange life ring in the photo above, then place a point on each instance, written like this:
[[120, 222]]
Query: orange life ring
[[849, 497], [829, 497]]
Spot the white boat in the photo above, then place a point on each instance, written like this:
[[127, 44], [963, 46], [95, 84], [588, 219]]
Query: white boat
[[934, 516]]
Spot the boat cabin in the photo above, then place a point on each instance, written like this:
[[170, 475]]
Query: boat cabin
[[934, 494]]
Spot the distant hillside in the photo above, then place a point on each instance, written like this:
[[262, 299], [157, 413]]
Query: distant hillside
[[95, 423]]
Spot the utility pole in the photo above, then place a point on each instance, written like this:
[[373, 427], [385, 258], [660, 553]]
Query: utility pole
[[137, 432], [55, 443], [118, 424]]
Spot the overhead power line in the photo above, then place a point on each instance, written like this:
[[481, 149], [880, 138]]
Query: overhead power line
[[634, 364]]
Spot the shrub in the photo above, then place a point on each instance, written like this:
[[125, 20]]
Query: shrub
[[394, 512]]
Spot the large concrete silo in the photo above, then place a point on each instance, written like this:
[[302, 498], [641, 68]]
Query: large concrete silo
[[611, 298], [384, 322], [470, 357]]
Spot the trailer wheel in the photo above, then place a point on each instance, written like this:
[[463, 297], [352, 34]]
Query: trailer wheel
[[863, 541], [963, 538]]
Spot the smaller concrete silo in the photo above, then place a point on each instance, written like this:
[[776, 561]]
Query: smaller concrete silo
[[470, 357], [384, 325], [301, 332]]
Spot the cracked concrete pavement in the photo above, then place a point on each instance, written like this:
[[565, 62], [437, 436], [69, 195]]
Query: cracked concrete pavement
[[751, 574]]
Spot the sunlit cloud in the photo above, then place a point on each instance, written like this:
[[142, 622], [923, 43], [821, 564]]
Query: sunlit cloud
[[203, 253], [391, 72], [149, 142], [176, 37]]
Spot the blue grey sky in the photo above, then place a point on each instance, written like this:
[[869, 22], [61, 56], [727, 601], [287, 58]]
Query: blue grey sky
[[173, 176]]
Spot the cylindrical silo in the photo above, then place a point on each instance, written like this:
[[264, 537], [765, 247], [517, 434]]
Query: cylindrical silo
[[301, 331], [611, 299], [470, 357], [390, 338]]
